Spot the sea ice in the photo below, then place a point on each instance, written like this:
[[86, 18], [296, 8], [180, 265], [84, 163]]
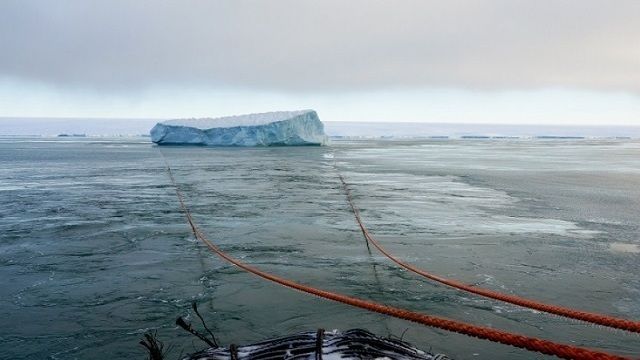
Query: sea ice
[[267, 129]]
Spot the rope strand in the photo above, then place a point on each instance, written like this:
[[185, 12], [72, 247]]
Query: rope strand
[[529, 343], [594, 318]]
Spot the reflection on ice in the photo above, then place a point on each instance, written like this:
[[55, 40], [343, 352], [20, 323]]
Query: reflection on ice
[[446, 204]]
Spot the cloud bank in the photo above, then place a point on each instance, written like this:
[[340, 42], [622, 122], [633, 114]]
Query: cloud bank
[[316, 46]]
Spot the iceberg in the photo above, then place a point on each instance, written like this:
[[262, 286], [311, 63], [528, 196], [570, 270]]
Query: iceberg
[[266, 129]]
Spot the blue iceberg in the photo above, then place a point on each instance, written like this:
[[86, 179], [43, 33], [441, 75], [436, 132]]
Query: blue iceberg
[[267, 129]]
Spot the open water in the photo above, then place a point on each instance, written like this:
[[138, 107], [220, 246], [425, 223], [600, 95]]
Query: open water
[[94, 250]]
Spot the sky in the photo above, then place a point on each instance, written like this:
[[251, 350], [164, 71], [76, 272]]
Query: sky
[[472, 61]]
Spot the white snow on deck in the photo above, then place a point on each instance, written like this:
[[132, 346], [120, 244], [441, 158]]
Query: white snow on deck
[[237, 120]]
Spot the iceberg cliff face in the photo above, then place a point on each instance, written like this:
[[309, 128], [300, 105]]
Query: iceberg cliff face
[[267, 129]]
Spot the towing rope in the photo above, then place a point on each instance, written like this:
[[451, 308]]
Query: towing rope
[[595, 318], [529, 343]]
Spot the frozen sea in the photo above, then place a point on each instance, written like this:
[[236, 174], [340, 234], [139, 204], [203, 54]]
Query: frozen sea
[[94, 250]]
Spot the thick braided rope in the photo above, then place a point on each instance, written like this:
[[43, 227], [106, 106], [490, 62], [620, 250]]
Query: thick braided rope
[[533, 344], [605, 320]]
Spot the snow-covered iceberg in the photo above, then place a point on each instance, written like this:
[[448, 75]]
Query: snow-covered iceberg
[[266, 129]]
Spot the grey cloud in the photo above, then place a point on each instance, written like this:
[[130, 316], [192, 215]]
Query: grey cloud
[[300, 45]]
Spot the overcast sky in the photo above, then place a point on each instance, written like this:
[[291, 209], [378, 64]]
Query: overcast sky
[[443, 61]]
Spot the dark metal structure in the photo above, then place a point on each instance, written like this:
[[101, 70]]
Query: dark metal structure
[[350, 344]]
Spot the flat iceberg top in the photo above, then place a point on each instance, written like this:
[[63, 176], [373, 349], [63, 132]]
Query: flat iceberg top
[[237, 120]]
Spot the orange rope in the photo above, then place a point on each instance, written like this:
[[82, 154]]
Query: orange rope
[[503, 337], [605, 320]]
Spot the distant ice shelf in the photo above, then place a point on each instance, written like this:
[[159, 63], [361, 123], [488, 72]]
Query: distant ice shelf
[[266, 129]]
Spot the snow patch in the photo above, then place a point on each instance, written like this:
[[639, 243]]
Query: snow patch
[[237, 120], [624, 248]]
